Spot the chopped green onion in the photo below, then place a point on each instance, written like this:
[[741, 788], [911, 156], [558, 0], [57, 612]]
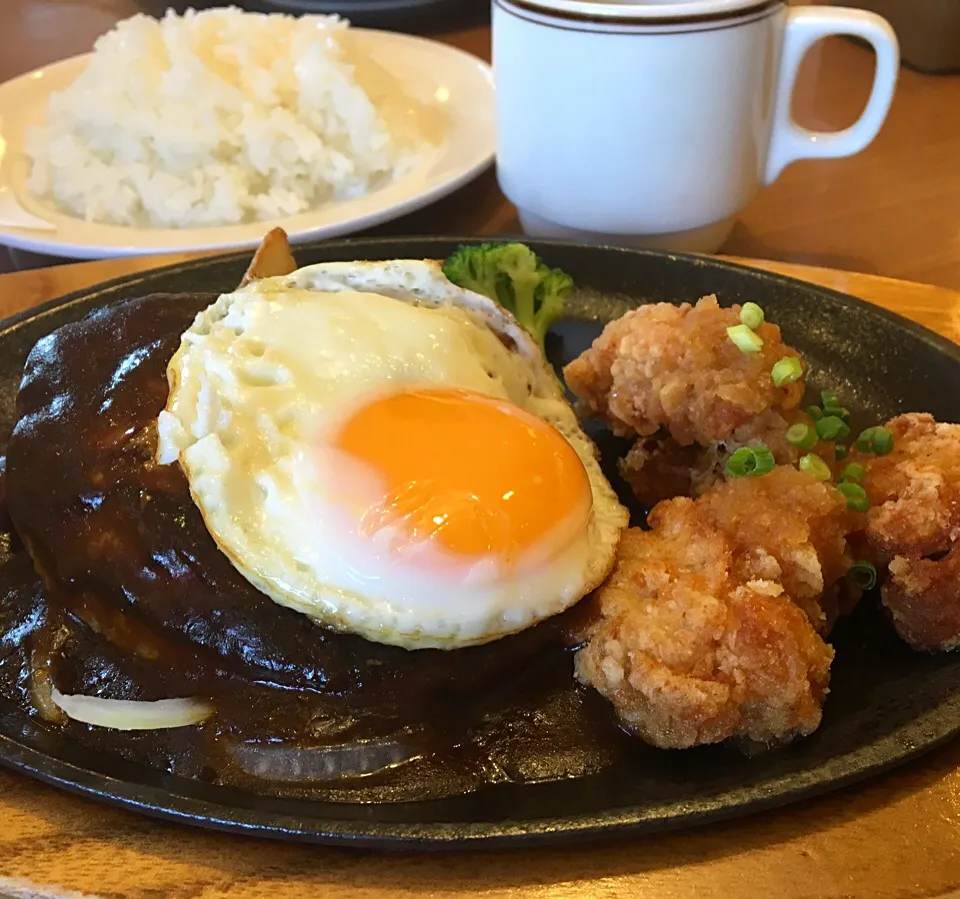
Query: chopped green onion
[[828, 399], [875, 440], [751, 315], [786, 371], [863, 575], [750, 461], [815, 412], [814, 466], [864, 441], [883, 441], [745, 339], [840, 451], [802, 436], [853, 472], [839, 411], [855, 495], [832, 428]]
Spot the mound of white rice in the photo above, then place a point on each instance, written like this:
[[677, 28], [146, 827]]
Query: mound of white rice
[[214, 118]]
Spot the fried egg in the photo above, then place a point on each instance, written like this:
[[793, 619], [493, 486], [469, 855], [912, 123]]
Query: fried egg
[[389, 454]]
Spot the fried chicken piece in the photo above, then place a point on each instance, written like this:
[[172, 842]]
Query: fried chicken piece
[[791, 528], [913, 527], [675, 368], [706, 631]]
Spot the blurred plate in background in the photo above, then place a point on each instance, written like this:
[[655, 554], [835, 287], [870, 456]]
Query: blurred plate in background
[[452, 83]]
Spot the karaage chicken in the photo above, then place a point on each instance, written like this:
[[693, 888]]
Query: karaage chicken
[[672, 377], [707, 628], [913, 527]]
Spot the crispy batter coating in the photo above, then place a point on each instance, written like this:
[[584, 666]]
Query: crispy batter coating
[[700, 633], [674, 367], [790, 528], [914, 527]]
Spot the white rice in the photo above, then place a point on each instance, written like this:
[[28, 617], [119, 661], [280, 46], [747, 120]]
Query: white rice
[[214, 118]]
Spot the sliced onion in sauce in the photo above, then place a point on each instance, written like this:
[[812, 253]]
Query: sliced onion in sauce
[[129, 714], [46, 645], [283, 762], [41, 695]]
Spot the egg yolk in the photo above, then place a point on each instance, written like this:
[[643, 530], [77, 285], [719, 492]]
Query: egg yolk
[[475, 475]]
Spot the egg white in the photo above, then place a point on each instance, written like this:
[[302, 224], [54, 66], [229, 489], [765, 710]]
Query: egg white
[[264, 372]]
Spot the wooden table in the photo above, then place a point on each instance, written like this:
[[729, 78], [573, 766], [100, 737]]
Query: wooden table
[[897, 837], [893, 210]]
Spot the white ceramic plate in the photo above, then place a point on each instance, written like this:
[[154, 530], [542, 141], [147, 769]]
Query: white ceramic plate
[[455, 85]]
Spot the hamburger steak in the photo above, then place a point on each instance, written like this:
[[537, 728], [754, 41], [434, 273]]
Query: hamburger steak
[[138, 602]]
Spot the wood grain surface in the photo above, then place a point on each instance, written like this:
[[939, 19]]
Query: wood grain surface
[[896, 837], [892, 210]]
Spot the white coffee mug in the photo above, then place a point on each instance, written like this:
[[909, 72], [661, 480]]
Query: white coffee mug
[[656, 123]]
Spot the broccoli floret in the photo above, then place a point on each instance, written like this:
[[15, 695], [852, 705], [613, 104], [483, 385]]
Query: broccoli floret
[[514, 276], [475, 268]]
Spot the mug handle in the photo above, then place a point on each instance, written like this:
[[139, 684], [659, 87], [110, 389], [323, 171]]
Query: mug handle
[[806, 25]]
